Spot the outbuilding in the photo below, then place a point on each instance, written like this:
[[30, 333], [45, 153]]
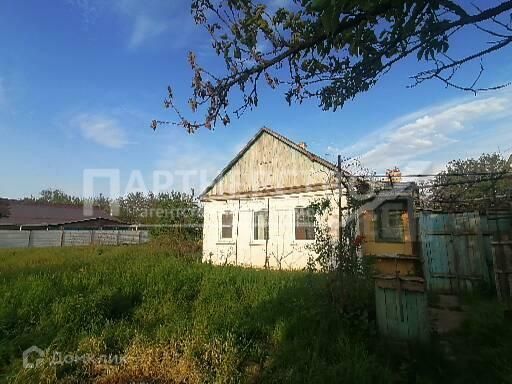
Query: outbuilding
[[20, 214]]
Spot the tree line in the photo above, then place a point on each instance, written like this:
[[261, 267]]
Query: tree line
[[465, 184], [170, 211], [470, 184]]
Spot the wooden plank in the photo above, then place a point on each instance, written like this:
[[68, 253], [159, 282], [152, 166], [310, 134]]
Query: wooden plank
[[401, 312], [269, 192], [438, 254], [380, 303], [502, 254], [393, 257], [425, 254], [457, 276], [485, 250], [465, 252], [464, 233], [269, 163], [408, 285], [404, 324], [469, 256], [423, 320], [412, 315], [449, 262]]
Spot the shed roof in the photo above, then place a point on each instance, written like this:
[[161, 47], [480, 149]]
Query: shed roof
[[33, 213]]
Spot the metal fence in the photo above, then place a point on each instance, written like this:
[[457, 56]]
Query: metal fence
[[65, 238]]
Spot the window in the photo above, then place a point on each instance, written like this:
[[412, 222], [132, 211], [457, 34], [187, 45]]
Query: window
[[389, 221], [304, 224], [227, 226], [261, 225]]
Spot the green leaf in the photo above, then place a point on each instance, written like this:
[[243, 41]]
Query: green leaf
[[320, 5], [420, 53], [237, 53]]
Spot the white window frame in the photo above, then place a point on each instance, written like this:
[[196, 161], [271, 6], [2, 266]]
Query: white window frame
[[293, 226], [253, 227], [219, 221]]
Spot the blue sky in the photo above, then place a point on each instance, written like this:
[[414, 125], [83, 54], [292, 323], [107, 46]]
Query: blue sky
[[81, 80]]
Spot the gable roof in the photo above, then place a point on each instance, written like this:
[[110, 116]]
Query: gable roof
[[277, 136]]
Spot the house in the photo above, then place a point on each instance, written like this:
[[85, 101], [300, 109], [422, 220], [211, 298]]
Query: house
[[256, 211], [21, 214]]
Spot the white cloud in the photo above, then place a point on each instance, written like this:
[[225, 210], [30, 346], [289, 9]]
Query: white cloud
[[145, 28], [151, 19], [101, 130], [422, 141]]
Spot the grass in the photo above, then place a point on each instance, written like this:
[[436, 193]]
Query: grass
[[176, 320], [209, 324]]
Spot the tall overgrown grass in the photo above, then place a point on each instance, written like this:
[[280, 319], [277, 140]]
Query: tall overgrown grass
[[174, 320]]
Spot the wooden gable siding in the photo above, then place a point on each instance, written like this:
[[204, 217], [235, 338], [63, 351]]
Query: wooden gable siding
[[270, 164]]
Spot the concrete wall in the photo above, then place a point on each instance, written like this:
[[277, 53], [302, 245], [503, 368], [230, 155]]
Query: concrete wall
[[14, 239], [281, 249], [58, 238]]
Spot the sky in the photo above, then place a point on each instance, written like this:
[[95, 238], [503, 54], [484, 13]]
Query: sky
[[81, 80]]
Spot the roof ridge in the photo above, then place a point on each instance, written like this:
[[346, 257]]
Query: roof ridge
[[298, 147]]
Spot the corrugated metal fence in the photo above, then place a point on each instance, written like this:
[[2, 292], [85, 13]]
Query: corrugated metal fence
[[64, 238]]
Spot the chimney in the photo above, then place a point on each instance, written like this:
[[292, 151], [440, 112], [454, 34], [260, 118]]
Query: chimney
[[303, 145], [394, 175]]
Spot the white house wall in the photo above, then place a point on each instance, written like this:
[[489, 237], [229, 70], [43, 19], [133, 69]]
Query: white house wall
[[282, 249]]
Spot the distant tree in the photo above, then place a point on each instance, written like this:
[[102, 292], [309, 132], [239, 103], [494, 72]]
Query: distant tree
[[178, 215], [132, 207], [54, 196], [57, 196], [174, 213], [471, 184], [332, 50], [101, 202]]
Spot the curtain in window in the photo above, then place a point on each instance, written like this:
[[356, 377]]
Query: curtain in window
[[227, 225], [304, 224], [261, 225]]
